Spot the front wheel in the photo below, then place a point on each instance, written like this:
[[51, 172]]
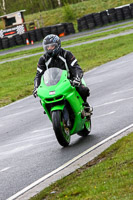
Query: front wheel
[[62, 133]]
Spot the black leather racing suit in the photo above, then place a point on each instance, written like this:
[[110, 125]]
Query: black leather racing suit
[[64, 60]]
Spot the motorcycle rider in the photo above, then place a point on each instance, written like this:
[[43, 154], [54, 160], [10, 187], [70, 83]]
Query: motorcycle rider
[[55, 56]]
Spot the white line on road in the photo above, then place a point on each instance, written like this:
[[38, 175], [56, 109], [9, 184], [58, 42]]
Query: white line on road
[[45, 129], [32, 138], [68, 163], [104, 114], [28, 140], [16, 150], [5, 169], [123, 91], [16, 102], [54, 140], [111, 102], [20, 113]]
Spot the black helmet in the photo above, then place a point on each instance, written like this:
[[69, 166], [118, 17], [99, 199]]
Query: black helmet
[[52, 44]]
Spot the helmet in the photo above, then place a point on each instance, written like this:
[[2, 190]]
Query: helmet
[[52, 44]]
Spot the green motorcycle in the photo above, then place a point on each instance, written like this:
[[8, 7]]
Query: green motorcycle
[[63, 105]]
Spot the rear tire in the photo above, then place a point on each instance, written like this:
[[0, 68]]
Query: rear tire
[[86, 130], [62, 133]]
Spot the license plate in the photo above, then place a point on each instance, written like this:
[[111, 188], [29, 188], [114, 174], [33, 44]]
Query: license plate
[[51, 92]]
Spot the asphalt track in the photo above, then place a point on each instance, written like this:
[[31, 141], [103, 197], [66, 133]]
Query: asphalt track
[[28, 147]]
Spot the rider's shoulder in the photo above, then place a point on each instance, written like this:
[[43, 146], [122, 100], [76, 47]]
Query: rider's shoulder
[[44, 57], [42, 60], [65, 53]]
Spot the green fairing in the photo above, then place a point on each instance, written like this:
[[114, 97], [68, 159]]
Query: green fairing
[[54, 96]]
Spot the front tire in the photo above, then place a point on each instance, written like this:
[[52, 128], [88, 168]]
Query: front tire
[[61, 132]]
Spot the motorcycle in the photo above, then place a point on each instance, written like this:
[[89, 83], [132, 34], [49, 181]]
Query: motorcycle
[[63, 105]]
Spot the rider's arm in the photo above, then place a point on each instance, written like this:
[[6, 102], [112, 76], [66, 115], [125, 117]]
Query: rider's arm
[[75, 69], [40, 70]]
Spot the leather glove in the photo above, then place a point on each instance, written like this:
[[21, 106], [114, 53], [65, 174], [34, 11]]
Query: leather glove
[[76, 81], [35, 92]]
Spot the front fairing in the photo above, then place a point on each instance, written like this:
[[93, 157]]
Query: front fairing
[[54, 83]]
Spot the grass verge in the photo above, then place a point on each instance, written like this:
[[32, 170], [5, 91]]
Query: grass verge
[[108, 177], [17, 77]]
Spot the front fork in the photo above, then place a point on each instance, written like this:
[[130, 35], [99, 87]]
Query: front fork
[[66, 115]]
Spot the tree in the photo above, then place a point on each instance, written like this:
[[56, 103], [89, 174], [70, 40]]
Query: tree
[[59, 2], [3, 6], [32, 6]]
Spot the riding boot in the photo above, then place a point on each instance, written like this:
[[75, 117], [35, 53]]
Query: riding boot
[[88, 109]]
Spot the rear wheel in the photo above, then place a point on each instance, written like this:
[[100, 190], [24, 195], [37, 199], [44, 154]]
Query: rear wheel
[[61, 131], [86, 130]]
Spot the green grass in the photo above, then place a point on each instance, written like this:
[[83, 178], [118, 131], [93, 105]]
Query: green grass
[[17, 77], [97, 53], [95, 36], [107, 177], [16, 80]]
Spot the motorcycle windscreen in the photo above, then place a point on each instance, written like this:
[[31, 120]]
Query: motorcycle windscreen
[[52, 76]]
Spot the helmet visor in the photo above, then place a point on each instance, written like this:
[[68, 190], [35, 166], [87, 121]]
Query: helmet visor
[[50, 47]]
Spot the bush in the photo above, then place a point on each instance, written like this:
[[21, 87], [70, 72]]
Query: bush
[[68, 13]]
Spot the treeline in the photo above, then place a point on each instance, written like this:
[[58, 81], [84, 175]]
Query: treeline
[[32, 6]]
